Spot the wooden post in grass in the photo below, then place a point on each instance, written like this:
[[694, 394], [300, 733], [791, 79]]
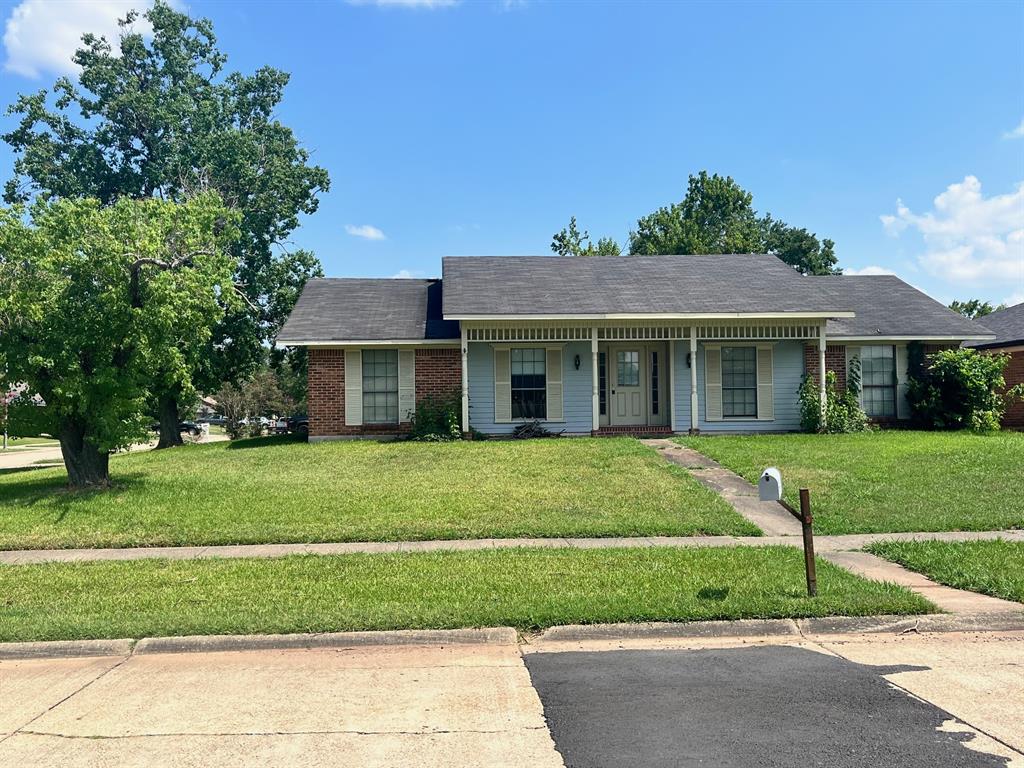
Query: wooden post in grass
[[807, 523]]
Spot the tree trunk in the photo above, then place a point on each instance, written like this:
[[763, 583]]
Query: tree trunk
[[169, 434], [87, 466]]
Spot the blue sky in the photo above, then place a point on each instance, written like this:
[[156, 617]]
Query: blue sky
[[479, 127]]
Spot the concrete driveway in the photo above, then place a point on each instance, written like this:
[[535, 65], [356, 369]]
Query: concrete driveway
[[944, 699], [379, 706]]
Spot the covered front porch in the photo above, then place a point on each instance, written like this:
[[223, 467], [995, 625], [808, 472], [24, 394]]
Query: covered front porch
[[636, 377]]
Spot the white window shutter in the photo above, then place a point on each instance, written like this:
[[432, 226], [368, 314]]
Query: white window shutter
[[502, 386], [713, 383], [353, 387], [406, 384], [553, 379], [853, 353], [902, 407], [765, 383]]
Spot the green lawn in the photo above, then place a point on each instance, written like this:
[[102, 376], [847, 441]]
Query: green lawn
[[992, 567], [279, 490], [888, 481], [525, 588], [32, 442]]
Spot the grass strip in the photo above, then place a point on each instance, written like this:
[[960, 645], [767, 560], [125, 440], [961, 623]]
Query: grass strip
[[524, 588]]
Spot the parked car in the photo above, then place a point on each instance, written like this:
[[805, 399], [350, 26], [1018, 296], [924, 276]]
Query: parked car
[[219, 421], [189, 427], [299, 425]]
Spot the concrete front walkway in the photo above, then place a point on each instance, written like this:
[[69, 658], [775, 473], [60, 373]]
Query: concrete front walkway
[[741, 495]]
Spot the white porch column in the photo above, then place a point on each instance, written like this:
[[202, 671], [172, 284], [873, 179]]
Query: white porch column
[[694, 400], [821, 372], [464, 348], [595, 399]]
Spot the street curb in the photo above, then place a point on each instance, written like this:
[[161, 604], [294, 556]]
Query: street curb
[[933, 622], [65, 649], [216, 643], [654, 630], [222, 643]]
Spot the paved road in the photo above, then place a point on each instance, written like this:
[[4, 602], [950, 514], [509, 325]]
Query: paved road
[[743, 707]]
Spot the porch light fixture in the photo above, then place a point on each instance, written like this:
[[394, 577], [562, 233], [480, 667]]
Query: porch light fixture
[[576, 362]]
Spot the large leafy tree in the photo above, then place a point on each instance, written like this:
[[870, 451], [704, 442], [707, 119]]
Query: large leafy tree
[[160, 117], [95, 299], [974, 308], [571, 242], [717, 216]]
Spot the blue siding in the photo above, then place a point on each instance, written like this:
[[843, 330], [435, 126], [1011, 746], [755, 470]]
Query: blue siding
[[576, 388], [788, 364]]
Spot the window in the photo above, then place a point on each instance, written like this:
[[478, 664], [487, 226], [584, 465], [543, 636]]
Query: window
[[529, 386], [629, 369], [878, 381], [380, 386], [602, 382], [654, 384], [739, 382]]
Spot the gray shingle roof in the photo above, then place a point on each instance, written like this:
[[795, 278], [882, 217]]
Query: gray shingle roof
[[885, 306], [638, 285], [335, 309], [1008, 326]]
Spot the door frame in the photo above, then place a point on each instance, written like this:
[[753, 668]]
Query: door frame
[[664, 380]]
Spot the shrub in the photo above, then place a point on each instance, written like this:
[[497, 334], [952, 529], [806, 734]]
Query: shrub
[[437, 418], [843, 412], [960, 389]]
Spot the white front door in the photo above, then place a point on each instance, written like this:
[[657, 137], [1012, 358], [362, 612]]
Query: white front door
[[627, 385]]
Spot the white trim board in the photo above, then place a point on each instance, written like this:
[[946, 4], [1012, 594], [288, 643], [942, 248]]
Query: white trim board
[[665, 316], [454, 343]]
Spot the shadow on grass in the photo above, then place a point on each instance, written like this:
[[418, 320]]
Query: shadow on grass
[[265, 442], [55, 493]]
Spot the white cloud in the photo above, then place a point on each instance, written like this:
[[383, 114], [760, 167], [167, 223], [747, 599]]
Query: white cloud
[[871, 270], [1014, 299], [42, 35], [428, 4], [407, 274], [968, 238], [1016, 133], [365, 231]]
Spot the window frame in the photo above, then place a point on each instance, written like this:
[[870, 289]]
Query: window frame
[[893, 386], [542, 389], [368, 356], [753, 388]]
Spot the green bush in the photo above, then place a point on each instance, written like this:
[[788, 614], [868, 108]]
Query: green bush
[[843, 412], [437, 418], [959, 389]]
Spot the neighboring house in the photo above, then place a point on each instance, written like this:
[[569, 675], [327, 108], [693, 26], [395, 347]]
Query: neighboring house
[[1008, 327], [207, 408], [639, 344]]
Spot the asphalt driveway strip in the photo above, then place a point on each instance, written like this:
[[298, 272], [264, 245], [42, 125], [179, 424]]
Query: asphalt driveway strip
[[773, 706]]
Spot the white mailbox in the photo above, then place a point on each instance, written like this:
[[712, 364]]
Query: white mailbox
[[770, 485]]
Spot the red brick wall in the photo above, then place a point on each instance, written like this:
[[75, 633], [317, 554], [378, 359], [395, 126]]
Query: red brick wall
[[835, 360], [1014, 375], [438, 371], [326, 391]]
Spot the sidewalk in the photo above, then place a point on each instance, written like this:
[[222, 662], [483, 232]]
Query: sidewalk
[[822, 544]]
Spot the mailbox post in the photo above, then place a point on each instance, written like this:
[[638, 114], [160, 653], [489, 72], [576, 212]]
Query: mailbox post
[[770, 489]]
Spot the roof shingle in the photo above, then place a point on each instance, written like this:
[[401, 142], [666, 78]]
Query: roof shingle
[[637, 285], [358, 309], [886, 307], [1007, 325]]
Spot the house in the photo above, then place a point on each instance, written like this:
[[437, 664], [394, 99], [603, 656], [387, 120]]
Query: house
[[1008, 327], [638, 344]]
